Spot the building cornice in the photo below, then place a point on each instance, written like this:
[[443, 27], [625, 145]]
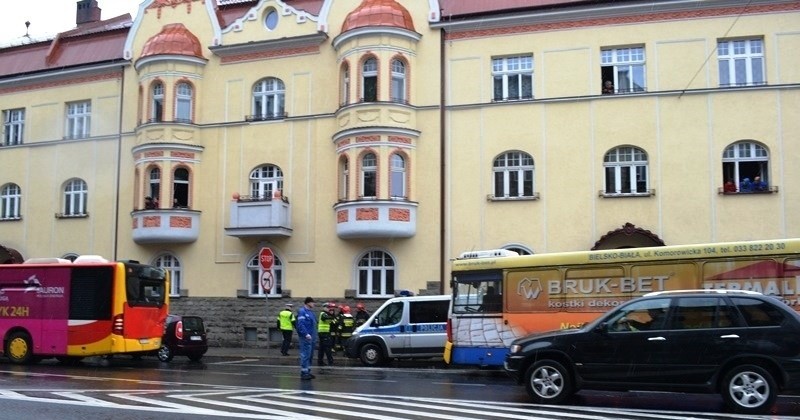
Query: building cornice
[[602, 15], [271, 48]]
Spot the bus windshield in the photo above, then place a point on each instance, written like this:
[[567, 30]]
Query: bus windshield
[[477, 292], [145, 285]]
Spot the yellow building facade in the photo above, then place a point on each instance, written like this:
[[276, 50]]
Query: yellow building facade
[[367, 142]]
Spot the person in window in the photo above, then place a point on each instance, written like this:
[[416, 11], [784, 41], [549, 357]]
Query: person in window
[[150, 203], [492, 302], [759, 185], [746, 186], [608, 87], [656, 321], [729, 187]]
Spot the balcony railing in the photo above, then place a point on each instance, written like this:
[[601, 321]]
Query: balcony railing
[[266, 117]]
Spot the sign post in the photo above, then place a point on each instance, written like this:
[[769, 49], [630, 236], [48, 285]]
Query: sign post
[[266, 259]]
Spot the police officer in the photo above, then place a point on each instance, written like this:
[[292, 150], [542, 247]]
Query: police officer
[[286, 321], [326, 318]]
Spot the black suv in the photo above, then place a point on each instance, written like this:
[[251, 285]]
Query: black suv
[[183, 336], [743, 345]]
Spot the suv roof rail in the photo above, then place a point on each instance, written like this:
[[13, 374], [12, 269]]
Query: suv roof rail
[[720, 291]]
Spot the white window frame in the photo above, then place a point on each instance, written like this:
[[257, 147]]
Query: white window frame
[[344, 180], [264, 181], [398, 88], [345, 84], [398, 176], [172, 265], [745, 159], [369, 175], [513, 174], [157, 102], [628, 67], [79, 119], [369, 73], [10, 201], [511, 76], [376, 274], [269, 96], [625, 168], [741, 62], [184, 95], [13, 126], [254, 272], [75, 198], [155, 183]]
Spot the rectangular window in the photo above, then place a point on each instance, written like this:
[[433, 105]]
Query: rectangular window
[[624, 68], [13, 125], [370, 186], [741, 62], [512, 78], [184, 111], [78, 119]]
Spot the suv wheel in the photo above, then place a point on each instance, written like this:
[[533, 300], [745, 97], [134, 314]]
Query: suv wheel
[[164, 353], [371, 354], [548, 382], [749, 389]]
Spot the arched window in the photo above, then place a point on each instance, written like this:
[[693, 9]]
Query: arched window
[[10, 200], [745, 159], [155, 184], [183, 102], [264, 181], [344, 178], [398, 177], [180, 188], [369, 80], [254, 277], [157, 104], [398, 81], [345, 95], [626, 171], [513, 175], [268, 99], [172, 265], [75, 196], [369, 175], [376, 271]]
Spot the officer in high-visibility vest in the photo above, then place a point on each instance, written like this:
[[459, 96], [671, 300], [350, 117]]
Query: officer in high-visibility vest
[[286, 321], [326, 318]]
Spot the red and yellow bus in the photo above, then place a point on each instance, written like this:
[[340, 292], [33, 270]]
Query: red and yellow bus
[[499, 296], [90, 307]]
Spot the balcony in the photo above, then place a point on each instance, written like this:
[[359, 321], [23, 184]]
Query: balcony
[[372, 219], [260, 217], [165, 226]]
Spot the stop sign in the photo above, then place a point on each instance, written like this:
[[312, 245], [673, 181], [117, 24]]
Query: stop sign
[[266, 258]]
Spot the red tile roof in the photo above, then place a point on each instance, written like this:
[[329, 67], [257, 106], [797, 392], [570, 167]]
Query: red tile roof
[[378, 13], [173, 39], [452, 8]]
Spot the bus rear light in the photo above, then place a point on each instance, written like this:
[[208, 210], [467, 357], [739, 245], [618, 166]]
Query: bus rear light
[[179, 330], [117, 327]]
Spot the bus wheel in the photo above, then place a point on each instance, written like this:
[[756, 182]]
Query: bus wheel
[[371, 354], [164, 353], [548, 382], [19, 348]]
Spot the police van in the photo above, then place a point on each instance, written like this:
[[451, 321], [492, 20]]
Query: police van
[[402, 328]]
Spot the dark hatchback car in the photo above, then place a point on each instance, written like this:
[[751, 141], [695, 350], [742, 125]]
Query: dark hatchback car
[[183, 336], [743, 345]]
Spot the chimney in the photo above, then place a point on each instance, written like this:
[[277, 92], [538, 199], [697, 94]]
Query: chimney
[[88, 12]]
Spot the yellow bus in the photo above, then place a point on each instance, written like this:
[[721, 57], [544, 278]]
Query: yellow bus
[[499, 296]]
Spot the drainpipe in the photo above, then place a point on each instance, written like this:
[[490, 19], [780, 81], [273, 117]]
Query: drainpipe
[[119, 164], [442, 168]]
